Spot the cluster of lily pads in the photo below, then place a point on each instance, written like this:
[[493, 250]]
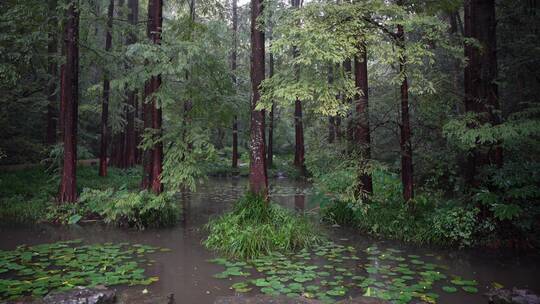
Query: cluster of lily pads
[[330, 272], [38, 270]]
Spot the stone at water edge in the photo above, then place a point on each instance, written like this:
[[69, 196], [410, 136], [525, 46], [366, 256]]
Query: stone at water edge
[[78, 295], [265, 299], [514, 296]]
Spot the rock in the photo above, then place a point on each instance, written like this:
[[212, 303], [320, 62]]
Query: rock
[[129, 297], [264, 299], [364, 300], [82, 295], [514, 296]]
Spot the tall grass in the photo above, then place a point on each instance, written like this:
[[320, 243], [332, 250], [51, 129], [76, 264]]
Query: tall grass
[[254, 228]]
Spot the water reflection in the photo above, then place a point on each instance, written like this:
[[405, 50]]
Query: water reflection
[[185, 271]]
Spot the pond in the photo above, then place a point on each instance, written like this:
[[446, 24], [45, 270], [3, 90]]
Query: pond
[[185, 271]]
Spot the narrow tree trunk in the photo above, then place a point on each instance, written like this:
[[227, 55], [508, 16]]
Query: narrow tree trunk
[[131, 110], [258, 178], [147, 124], [298, 124], [331, 119], [147, 108], [270, 153], [362, 136], [405, 142], [349, 129], [233, 69], [68, 184], [106, 95], [52, 49], [156, 21], [481, 91]]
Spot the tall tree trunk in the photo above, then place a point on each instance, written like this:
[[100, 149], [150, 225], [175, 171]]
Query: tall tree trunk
[[405, 141], [481, 91], [349, 129], [258, 178], [362, 136], [270, 152], [233, 69], [156, 20], [52, 49], [146, 114], [106, 96], [298, 124], [131, 109], [68, 184]]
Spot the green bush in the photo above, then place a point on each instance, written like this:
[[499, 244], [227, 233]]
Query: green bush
[[455, 224], [255, 228], [134, 209], [17, 209]]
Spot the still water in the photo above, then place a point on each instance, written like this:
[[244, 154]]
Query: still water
[[185, 272]]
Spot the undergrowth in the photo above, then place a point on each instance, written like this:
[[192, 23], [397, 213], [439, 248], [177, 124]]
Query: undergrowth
[[28, 196], [254, 228]]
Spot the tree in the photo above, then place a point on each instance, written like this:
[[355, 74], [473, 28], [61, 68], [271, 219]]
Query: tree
[[270, 152], [298, 124], [405, 126], [233, 69], [153, 167], [52, 49], [106, 95], [362, 136], [70, 100], [480, 76], [258, 178], [132, 95]]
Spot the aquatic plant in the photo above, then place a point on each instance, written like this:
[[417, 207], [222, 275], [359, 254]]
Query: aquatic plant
[[330, 271], [255, 228], [61, 266]]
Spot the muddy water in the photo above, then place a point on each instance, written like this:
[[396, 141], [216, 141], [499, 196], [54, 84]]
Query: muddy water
[[186, 273]]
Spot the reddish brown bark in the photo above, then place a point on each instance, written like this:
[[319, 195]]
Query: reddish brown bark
[[155, 16], [362, 136], [106, 96], [132, 97], [68, 183], [405, 127], [270, 152], [258, 178], [233, 69], [298, 123], [147, 124], [52, 49], [481, 91]]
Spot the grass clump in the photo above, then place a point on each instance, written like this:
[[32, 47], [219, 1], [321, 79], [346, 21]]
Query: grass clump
[[254, 228]]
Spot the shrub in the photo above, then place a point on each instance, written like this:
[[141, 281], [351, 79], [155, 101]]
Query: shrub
[[455, 224], [254, 228], [17, 210], [134, 209]]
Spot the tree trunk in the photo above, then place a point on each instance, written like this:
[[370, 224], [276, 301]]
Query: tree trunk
[[298, 124], [156, 22], [147, 124], [481, 91], [258, 178], [131, 109], [233, 69], [106, 95], [405, 141], [68, 184], [270, 153], [52, 49], [362, 136]]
